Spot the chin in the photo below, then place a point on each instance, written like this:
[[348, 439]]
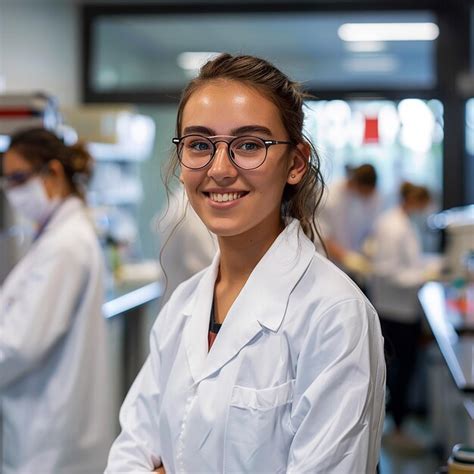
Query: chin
[[225, 227], [224, 231]]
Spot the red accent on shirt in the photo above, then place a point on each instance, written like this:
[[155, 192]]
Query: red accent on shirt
[[211, 337]]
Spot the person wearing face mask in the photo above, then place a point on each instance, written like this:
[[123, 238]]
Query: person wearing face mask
[[53, 351], [347, 216], [399, 269]]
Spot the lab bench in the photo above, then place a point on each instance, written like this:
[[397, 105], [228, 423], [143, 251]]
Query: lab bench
[[451, 372], [130, 310]]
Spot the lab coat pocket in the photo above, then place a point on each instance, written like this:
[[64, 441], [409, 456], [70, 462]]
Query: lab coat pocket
[[258, 433]]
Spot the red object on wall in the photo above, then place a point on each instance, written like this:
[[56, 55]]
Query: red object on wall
[[371, 130]]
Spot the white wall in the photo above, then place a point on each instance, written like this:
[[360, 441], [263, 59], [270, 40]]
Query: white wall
[[39, 48]]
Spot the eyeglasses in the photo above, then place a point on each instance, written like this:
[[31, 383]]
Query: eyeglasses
[[16, 178], [246, 152]]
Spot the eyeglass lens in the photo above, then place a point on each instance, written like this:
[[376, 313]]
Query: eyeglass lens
[[16, 178], [196, 151]]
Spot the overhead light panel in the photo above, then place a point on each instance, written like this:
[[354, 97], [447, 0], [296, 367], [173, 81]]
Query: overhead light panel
[[388, 31], [365, 46]]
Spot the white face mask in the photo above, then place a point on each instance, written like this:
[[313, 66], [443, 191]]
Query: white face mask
[[31, 200]]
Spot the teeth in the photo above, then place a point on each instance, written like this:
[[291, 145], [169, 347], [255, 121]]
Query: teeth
[[217, 197]]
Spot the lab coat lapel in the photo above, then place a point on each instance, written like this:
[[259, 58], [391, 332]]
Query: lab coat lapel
[[199, 311], [262, 303], [66, 210]]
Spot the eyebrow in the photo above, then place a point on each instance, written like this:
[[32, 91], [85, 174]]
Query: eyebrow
[[236, 131]]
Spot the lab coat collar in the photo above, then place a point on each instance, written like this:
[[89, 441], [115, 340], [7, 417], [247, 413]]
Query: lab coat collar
[[260, 305]]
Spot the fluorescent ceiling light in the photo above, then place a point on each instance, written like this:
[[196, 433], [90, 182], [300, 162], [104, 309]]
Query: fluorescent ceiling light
[[191, 61], [388, 31], [365, 46], [376, 64]]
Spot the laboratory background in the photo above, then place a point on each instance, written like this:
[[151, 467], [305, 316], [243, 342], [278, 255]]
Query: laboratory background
[[391, 85]]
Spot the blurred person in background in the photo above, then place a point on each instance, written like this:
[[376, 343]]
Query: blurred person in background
[[347, 217], [399, 269], [187, 246], [53, 350]]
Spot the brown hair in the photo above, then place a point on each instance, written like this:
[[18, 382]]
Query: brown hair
[[410, 191], [38, 146], [301, 200], [363, 175]]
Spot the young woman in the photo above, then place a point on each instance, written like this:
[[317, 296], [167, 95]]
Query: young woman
[[53, 374], [294, 379]]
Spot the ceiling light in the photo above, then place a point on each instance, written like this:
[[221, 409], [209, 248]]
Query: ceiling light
[[365, 46], [382, 64], [191, 61], [388, 31]]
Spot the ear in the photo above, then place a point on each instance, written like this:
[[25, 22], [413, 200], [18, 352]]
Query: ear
[[56, 169], [55, 181], [181, 178], [299, 163]]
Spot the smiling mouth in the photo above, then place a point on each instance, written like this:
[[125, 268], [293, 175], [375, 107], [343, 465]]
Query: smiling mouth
[[226, 197]]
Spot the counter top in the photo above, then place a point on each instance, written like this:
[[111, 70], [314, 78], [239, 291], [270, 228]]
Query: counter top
[[127, 297], [455, 340]]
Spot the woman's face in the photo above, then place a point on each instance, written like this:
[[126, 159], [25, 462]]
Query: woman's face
[[16, 168], [19, 170], [228, 109]]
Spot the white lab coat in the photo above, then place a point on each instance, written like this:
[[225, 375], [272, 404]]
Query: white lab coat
[[53, 372], [398, 267], [187, 245], [293, 383], [347, 218]]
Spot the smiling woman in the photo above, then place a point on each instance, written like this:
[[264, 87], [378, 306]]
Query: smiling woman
[[271, 359], [258, 187]]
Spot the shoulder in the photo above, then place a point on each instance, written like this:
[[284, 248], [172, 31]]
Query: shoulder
[[332, 284], [328, 317], [325, 290], [71, 238]]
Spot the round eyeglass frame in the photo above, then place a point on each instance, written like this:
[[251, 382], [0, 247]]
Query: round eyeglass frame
[[267, 143], [18, 178]]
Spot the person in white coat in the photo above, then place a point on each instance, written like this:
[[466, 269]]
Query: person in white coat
[[399, 269], [347, 216], [53, 357], [187, 246], [270, 360]]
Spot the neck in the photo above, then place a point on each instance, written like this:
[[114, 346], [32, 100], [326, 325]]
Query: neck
[[240, 254], [406, 208]]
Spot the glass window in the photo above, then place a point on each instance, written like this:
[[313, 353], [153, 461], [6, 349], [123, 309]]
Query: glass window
[[157, 52], [403, 140]]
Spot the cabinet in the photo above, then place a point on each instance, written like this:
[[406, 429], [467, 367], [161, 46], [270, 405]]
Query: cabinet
[[119, 139]]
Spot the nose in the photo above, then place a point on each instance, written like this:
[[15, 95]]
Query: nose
[[222, 167]]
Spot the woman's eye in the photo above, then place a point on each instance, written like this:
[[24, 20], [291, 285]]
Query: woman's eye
[[248, 146], [18, 178], [199, 146]]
